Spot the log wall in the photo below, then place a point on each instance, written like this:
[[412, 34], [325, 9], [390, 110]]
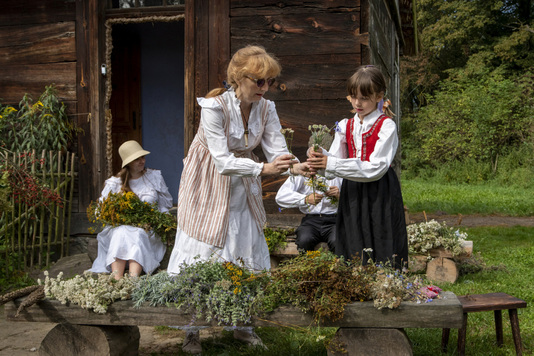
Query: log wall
[[38, 47]]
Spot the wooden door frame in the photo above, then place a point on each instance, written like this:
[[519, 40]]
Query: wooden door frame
[[89, 88]]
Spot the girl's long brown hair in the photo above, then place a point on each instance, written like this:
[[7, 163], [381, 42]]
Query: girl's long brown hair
[[125, 176], [370, 81]]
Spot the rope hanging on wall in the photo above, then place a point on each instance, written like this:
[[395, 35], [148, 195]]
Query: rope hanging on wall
[[109, 48]]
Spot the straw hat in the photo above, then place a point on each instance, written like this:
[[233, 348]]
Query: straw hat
[[130, 151]]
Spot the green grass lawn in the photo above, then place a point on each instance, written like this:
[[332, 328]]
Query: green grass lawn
[[421, 195]]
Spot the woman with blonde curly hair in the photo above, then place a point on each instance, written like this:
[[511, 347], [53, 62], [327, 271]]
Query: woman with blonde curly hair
[[220, 207]]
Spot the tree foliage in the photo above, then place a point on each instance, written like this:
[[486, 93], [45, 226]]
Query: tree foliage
[[468, 95]]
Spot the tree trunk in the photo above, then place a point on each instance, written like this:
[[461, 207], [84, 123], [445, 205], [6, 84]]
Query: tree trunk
[[442, 269], [86, 340]]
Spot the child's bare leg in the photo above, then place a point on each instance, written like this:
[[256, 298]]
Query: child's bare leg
[[134, 268], [117, 268]]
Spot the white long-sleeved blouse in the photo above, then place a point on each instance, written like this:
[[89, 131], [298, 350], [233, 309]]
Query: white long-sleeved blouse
[[224, 149], [338, 163], [150, 188], [293, 193]]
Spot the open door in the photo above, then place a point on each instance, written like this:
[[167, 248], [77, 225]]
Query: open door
[[147, 97], [125, 101]]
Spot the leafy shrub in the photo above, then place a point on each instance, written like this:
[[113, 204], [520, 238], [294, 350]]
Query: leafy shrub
[[470, 127], [38, 126]]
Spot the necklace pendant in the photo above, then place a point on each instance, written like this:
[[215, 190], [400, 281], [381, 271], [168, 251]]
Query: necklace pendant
[[246, 138]]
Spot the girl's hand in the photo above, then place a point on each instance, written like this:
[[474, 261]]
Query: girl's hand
[[333, 191], [279, 165], [312, 149], [313, 198], [317, 160]]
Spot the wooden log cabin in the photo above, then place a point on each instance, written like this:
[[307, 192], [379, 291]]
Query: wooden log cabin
[[132, 69]]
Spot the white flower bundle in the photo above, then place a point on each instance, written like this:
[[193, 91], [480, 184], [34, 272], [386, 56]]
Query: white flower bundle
[[87, 291], [428, 235]]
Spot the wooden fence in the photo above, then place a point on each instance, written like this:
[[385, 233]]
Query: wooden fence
[[32, 229]]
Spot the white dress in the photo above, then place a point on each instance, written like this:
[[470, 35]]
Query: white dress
[[244, 240], [128, 242]]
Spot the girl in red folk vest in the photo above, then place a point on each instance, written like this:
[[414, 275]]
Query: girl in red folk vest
[[370, 221]]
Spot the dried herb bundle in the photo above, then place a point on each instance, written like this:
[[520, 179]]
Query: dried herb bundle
[[35, 296], [17, 294]]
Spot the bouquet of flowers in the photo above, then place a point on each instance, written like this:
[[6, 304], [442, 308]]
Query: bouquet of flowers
[[320, 137], [288, 135], [127, 209], [428, 235], [88, 291]]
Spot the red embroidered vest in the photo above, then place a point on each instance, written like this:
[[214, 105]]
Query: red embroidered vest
[[369, 138]]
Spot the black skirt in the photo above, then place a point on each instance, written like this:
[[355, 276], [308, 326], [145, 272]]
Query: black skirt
[[371, 217]]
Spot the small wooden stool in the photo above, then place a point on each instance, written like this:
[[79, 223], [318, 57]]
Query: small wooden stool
[[488, 302]]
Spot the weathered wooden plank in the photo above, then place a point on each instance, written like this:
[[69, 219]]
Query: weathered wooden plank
[[382, 34], [300, 34], [96, 164], [313, 77], [219, 42], [83, 91], [298, 115], [46, 43], [32, 79], [263, 7], [189, 76], [201, 54], [364, 28], [17, 12], [440, 313]]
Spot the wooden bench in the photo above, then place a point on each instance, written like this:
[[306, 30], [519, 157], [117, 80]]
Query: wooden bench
[[495, 302], [363, 329]]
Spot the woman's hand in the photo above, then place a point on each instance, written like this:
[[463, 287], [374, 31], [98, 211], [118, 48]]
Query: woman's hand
[[333, 191], [302, 169], [279, 165], [317, 160], [313, 198]]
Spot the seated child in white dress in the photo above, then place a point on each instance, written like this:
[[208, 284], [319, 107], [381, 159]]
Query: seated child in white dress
[[128, 246]]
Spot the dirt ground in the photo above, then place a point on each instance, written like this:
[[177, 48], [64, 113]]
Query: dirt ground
[[23, 338]]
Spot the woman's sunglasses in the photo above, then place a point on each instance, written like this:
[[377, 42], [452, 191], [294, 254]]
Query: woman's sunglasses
[[261, 82]]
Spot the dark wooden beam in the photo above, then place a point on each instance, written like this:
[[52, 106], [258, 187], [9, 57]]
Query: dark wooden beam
[[85, 185]]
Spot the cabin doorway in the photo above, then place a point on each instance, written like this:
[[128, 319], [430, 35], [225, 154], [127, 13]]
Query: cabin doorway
[[147, 94]]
